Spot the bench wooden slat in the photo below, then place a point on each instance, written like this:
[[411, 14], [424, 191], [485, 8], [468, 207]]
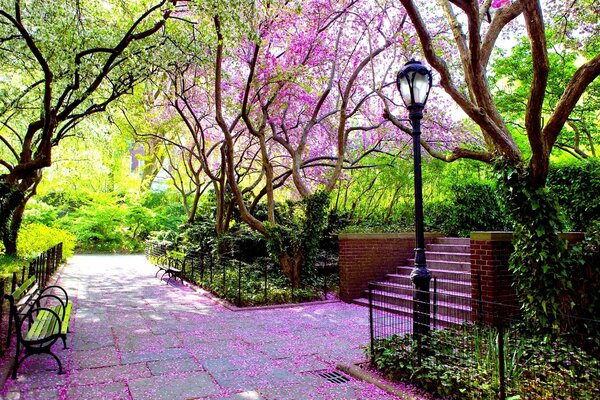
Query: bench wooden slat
[[65, 322], [37, 329], [17, 294]]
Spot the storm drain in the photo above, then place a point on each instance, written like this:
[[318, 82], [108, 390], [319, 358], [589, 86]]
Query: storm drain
[[334, 377]]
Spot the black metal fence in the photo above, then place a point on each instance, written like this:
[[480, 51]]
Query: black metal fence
[[391, 305], [246, 284], [477, 350], [43, 268]]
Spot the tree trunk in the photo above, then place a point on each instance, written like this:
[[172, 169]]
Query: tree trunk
[[12, 207], [291, 266], [540, 263]]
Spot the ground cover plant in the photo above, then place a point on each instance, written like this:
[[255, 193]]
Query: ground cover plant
[[462, 363]]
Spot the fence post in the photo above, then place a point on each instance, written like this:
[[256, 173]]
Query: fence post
[[212, 263], [435, 302], [223, 265], [239, 296], [480, 299], [12, 289], [266, 277], [202, 266], [501, 365], [2, 283], [371, 328], [32, 270]]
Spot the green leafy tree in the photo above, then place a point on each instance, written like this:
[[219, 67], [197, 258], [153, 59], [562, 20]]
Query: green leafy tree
[[62, 62]]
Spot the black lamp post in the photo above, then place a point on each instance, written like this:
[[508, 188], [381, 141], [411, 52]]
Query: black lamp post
[[414, 83]]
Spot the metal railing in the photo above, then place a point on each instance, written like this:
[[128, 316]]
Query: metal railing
[[486, 337], [246, 284]]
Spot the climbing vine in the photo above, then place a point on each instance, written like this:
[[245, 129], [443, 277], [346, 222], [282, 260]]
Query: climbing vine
[[540, 262], [295, 242]]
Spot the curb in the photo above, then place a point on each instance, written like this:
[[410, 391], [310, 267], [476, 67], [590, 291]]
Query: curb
[[234, 308], [366, 376]]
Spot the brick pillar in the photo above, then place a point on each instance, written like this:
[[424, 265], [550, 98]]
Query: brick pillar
[[497, 299], [366, 257], [492, 294]]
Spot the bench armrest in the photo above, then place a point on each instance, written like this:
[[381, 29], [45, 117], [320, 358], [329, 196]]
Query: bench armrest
[[66, 300]]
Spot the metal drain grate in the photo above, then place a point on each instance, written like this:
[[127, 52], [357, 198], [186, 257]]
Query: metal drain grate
[[334, 377]]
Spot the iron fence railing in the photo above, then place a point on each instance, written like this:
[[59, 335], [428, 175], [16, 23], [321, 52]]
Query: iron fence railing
[[43, 268], [486, 337], [245, 284]]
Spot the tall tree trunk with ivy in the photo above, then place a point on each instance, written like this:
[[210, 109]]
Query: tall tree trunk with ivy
[[12, 204], [541, 260]]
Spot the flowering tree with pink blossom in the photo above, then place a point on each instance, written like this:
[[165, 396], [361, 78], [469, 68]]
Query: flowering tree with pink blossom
[[294, 100]]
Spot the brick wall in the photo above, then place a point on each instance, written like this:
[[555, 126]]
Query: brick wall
[[369, 257], [496, 300], [490, 252]]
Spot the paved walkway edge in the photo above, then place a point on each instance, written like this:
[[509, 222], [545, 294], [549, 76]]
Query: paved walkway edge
[[233, 307], [369, 377]]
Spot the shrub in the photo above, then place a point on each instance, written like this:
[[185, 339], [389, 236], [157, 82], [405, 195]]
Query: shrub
[[473, 206], [576, 186], [461, 363], [35, 238]]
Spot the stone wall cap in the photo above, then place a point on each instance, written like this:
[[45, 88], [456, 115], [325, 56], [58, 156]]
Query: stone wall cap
[[503, 236], [383, 235]]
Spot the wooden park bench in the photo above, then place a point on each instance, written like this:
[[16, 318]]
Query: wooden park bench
[[169, 266], [39, 323]]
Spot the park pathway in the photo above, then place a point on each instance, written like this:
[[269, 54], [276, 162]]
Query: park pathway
[[134, 337]]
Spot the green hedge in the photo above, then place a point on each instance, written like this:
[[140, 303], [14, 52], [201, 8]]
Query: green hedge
[[471, 206], [576, 186], [35, 239]]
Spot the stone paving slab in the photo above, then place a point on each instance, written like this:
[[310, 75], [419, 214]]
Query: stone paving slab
[[193, 385], [134, 337]]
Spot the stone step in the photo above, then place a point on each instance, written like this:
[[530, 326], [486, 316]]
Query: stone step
[[449, 248], [462, 266], [445, 295], [446, 256], [462, 286], [452, 240], [456, 310], [438, 320], [448, 274]]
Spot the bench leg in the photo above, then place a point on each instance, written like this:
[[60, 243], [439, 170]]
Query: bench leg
[[64, 340], [163, 275], [17, 362], [60, 369]]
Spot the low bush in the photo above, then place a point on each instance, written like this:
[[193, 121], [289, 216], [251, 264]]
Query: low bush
[[462, 363], [34, 239], [576, 186], [106, 222]]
